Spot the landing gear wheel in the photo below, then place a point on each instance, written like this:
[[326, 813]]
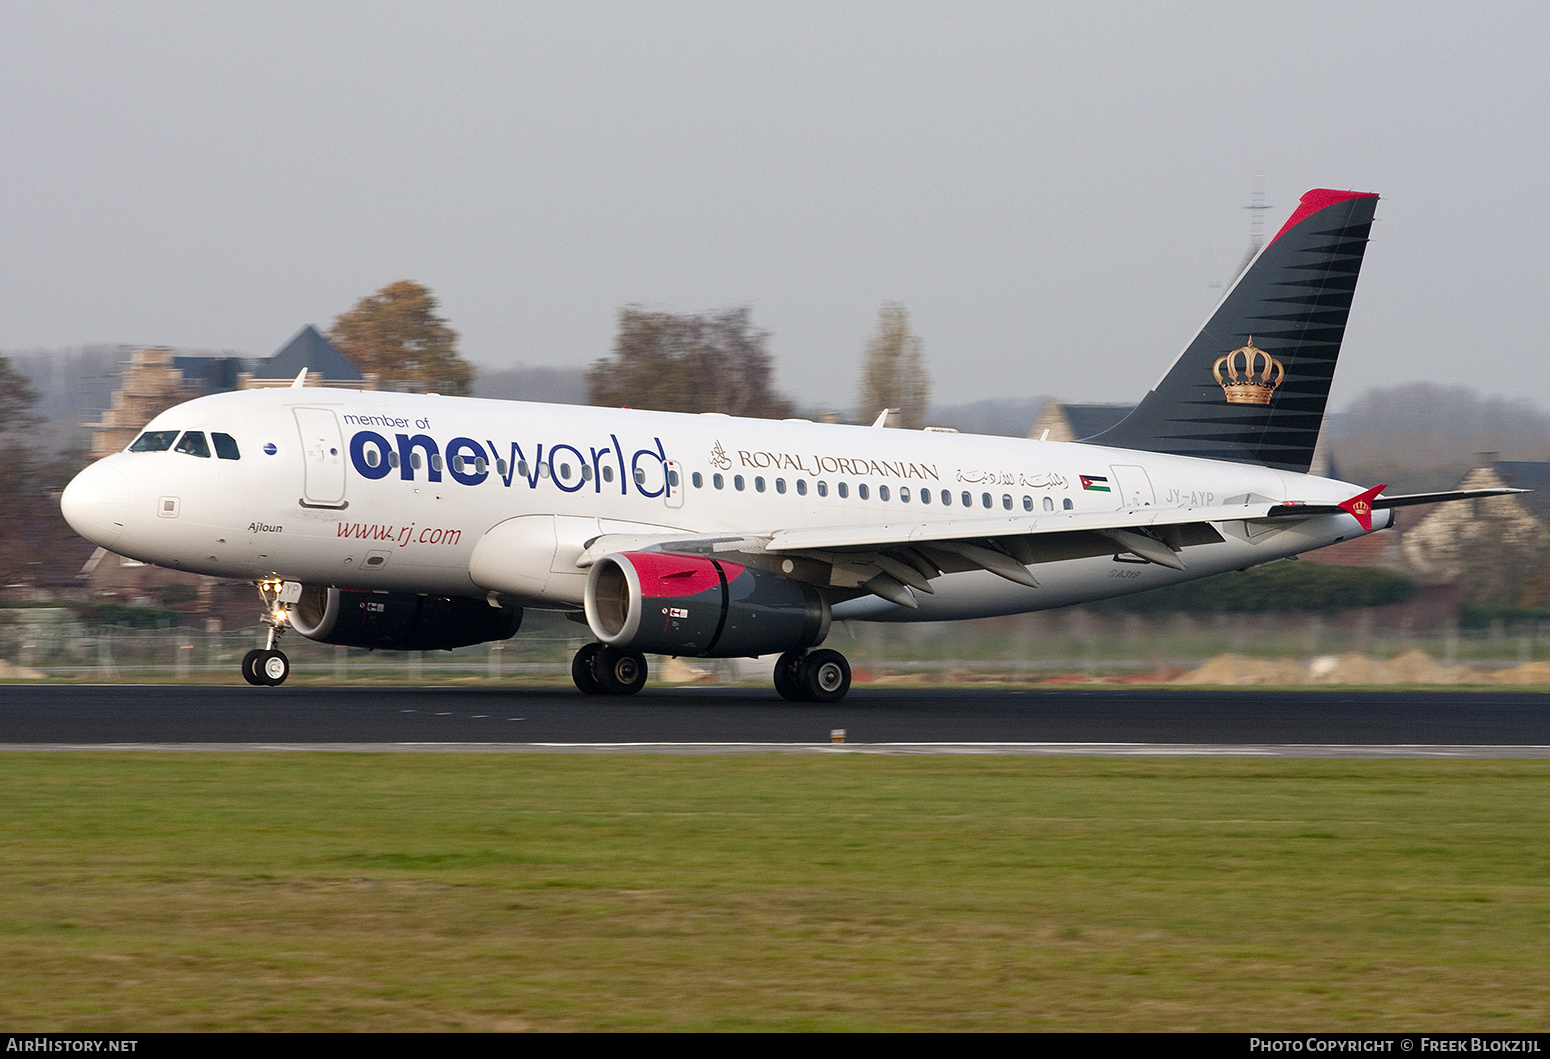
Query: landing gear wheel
[[250, 667], [583, 669], [621, 672], [825, 676], [788, 679], [272, 667]]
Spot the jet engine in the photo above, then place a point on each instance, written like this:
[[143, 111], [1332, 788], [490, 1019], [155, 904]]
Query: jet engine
[[698, 606], [399, 621]]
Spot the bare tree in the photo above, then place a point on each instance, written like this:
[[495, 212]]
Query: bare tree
[[707, 362], [894, 374]]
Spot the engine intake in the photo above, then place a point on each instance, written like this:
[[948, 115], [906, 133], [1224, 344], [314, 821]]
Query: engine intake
[[399, 621], [702, 607]]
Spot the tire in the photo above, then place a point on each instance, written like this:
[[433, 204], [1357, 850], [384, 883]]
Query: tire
[[788, 679], [825, 676], [583, 670], [621, 672], [250, 668], [272, 667]]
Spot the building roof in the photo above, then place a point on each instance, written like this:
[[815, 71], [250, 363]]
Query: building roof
[[1525, 474], [310, 350]]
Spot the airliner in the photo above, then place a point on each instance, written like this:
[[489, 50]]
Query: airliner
[[417, 521]]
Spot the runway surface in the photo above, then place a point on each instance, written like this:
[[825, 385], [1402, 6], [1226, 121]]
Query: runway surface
[[700, 720]]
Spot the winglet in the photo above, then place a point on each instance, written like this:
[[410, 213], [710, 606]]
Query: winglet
[[1360, 506]]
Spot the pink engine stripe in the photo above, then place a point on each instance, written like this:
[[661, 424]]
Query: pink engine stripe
[[664, 576]]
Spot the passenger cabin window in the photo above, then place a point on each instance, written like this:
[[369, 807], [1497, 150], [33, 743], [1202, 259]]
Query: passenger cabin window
[[698, 479], [882, 492], [194, 444], [154, 441], [801, 487], [1066, 503], [226, 446]]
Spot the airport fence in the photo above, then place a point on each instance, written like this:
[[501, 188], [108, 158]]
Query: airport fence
[[1058, 646]]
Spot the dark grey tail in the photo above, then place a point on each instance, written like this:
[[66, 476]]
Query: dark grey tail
[[1251, 387]]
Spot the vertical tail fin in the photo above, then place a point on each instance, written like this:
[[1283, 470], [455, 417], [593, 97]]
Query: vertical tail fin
[[1251, 387]]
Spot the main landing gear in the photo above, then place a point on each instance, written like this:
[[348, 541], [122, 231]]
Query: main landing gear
[[602, 670], [814, 676], [269, 667], [800, 676]]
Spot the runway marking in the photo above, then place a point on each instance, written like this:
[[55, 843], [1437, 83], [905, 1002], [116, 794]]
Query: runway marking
[[1283, 750]]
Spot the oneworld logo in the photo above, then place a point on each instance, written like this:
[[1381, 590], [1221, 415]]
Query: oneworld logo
[[569, 467]]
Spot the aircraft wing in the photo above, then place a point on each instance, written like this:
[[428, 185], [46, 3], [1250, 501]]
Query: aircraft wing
[[896, 559]]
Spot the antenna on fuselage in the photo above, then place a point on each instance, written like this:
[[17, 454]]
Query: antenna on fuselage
[[300, 380]]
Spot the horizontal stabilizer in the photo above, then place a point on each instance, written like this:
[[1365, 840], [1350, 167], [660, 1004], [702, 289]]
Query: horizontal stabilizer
[[1378, 503]]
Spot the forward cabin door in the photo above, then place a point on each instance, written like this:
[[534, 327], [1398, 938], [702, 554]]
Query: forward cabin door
[[322, 446]]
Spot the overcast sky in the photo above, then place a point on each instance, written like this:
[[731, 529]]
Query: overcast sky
[[1051, 190]]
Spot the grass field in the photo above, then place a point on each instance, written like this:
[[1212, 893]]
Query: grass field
[[144, 892]]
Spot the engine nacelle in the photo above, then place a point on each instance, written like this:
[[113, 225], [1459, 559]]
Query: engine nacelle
[[693, 605], [399, 621]]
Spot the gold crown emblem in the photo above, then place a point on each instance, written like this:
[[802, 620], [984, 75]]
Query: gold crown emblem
[[1252, 374]]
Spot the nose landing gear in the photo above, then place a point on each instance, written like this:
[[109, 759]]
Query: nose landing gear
[[269, 667]]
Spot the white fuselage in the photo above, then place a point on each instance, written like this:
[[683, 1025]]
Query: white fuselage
[[396, 491]]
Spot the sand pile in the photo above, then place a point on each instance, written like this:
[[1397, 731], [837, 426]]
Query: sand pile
[[1412, 667], [1239, 670], [12, 671], [676, 671], [1532, 673]]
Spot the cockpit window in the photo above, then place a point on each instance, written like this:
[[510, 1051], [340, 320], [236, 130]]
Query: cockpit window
[[154, 441], [226, 446], [194, 444]]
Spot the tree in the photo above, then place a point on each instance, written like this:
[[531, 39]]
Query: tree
[[397, 334], [710, 362], [35, 542], [894, 374]]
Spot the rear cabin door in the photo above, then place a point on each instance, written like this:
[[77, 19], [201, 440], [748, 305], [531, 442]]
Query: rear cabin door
[[1133, 486], [323, 454]]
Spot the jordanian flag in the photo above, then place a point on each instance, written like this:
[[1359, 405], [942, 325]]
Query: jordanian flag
[[1096, 483]]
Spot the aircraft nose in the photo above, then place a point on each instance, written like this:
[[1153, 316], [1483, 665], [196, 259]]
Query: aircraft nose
[[96, 503]]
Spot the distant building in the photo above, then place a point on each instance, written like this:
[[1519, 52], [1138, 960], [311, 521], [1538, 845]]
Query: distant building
[[156, 378], [1496, 549], [1074, 422]]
